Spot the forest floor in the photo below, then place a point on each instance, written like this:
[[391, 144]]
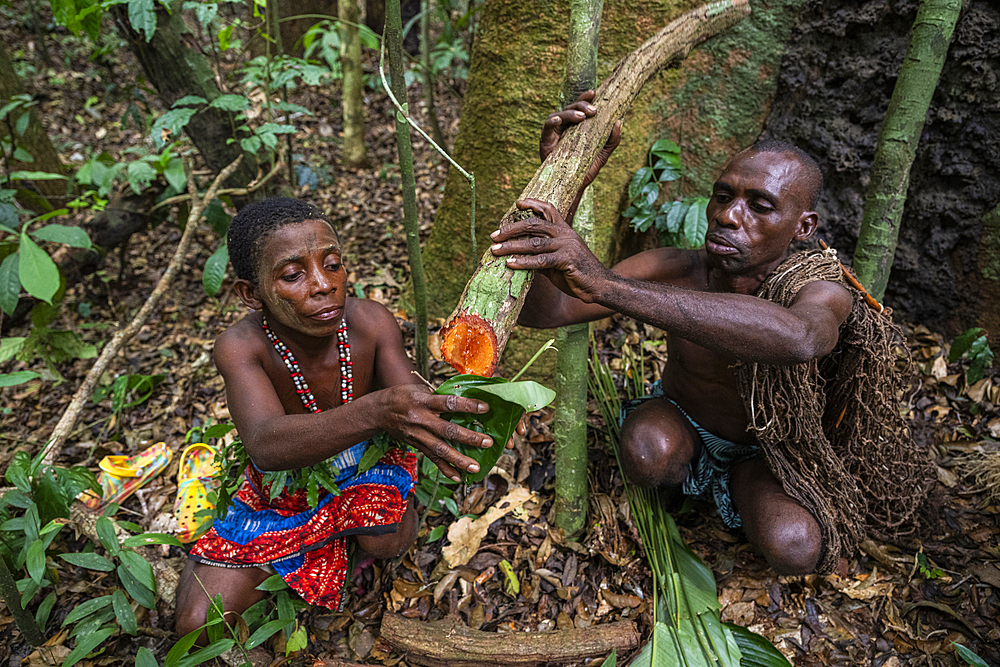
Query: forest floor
[[893, 605]]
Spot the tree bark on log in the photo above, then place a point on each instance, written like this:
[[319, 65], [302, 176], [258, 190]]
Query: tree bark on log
[[897, 142], [478, 329], [450, 643]]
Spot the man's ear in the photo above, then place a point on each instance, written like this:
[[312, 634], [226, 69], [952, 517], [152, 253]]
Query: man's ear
[[808, 222], [247, 292]]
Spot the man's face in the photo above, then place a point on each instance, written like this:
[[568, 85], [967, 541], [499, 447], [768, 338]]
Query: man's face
[[758, 206], [301, 280]]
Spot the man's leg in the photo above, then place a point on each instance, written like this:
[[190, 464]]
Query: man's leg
[[783, 530], [200, 582], [658, 445]]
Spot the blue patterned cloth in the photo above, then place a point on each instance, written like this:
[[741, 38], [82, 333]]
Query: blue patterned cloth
[[709, 471]]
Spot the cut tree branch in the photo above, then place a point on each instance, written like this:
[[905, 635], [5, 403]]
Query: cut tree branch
[[66, 422], [450, 643], [478, 330]]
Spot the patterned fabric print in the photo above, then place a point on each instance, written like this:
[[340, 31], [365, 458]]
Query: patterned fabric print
[[710, 470], [308, 546]]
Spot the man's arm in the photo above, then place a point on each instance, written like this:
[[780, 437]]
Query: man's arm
[[279, 441], [737, 325]]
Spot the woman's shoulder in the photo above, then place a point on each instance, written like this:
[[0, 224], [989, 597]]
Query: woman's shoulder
[[240, 341]]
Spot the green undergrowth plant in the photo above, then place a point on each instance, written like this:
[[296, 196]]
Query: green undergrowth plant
[[26, 266], [261, 621], [679, 222], [973, 346], [687, 628], [32, 516]]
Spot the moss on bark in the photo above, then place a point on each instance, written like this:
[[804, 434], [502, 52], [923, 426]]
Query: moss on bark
[[713, 104]]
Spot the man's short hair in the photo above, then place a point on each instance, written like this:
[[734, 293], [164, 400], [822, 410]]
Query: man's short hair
[[254, 224], [812, 174]]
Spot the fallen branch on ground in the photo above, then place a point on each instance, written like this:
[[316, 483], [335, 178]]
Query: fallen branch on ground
[[66, 422], [450, 643]]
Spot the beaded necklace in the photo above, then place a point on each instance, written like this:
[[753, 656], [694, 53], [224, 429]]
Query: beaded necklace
[[301, 388]]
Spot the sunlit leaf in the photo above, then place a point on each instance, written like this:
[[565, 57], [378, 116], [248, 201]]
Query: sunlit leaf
[[968, 656], [87, 608], [35, 176], [145, 658], [230, 103], [71, 236], [499, 423], [142, 17], [91, 561], [38, 273], [215, 270], [10, 291], [123, 612], [140, 175], [146, 539], [174, 173], [85, 644]]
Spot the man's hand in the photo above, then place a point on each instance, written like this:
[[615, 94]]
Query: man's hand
[[560, 121], [412, 414], [552, 247]]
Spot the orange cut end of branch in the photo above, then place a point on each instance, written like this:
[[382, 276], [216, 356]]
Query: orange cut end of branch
[[469, 345]]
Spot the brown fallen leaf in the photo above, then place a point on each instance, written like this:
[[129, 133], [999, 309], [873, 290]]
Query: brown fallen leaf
[[465, 535]]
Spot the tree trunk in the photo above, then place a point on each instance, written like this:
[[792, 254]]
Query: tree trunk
[[176, 71], [393, 36], [34, 140], [425, 62], [354, 152], [570, 418], [897, 142], [480, 326]]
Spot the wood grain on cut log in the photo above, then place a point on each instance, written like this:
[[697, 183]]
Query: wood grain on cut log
[[450, 643], [477, 331]]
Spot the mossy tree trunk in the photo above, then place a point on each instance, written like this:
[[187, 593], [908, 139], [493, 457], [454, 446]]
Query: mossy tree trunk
[[570, 419], [713, 104], [897, 142], [354, 152], [480, 325], [34, 140], [176, 71], [393, 35]]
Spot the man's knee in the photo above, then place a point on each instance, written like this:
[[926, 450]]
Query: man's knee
[[793, 546], [657, 445]]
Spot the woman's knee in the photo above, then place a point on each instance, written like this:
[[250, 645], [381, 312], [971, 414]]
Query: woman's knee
[[657, 445]]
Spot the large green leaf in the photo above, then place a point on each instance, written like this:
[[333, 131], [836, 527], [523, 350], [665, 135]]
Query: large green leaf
[[17, 377], [142, 16], [91, 561], [968, 656], [123, 612], [507, 401], [85, 644], [756, 651], [38, 273], [10, 284], [215, 270], [71, 236]]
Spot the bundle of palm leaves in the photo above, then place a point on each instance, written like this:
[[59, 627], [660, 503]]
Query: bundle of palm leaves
[[687, 629]]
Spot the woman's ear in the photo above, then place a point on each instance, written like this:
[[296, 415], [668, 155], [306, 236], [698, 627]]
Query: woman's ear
[[247, 292]]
